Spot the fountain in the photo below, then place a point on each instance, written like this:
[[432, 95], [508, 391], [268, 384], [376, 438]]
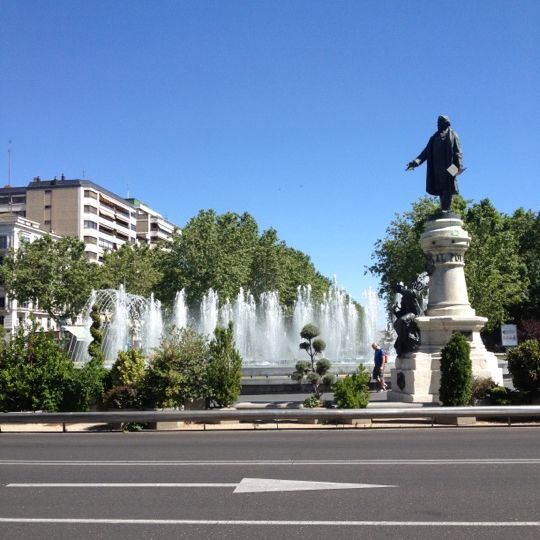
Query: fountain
[[266, 334]]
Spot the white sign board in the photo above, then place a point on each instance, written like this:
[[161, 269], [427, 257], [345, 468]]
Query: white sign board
[[509, 335]]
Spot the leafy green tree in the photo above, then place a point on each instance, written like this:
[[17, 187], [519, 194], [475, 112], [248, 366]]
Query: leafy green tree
[[495, 274], [526, 228], [224, 368], [456, 372], [35, 372], [137, 267], [55, 274], [126, 380], [177, 372], [213, 251]]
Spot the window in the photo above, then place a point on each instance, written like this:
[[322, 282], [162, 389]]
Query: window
[[1, 320], [90, 224], [2, 302], [48, 206], [90, 209], [3, 242], [90, 240], [106, 244]]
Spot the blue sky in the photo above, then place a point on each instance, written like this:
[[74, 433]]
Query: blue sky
[[302, 113]]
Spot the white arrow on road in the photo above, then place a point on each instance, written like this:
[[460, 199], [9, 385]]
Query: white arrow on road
[[246, 485]]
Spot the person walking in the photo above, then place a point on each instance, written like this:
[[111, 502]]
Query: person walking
[[379, 359]]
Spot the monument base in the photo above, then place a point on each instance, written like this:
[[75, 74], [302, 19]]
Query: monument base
[[416, 377]]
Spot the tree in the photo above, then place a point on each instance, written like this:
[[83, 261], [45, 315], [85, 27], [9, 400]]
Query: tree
[[524, 365], [213, 251], [456, 372], [225, 252], [137, 267], [177, 372], [35, 372], [493, 264], [54, 274], [224, 368]]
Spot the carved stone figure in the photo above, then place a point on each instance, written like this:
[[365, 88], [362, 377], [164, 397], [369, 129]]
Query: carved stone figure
[[444, 163]]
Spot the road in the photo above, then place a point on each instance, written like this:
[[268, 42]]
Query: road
[[433, 483]]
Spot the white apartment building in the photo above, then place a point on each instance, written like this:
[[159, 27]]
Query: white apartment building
[[14, 229], [152, 227]]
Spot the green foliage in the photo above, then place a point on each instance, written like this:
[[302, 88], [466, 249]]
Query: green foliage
[[312, 401], [177, 372], [53, 273], [136, 266], [128, 370], [94, 348], [315, 371], [456, 372], [352, 392], [309, 332], [35, 372], [500, 395], [524, 365], [225, 252], [501, 259], [493, 264], [122, 397], [481, 388], [224, 368]]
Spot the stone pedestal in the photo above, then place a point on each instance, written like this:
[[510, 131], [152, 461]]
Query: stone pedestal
[[416, 377]]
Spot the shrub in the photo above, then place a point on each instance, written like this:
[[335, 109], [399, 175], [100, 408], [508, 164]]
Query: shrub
[[352, 392], [177, 372], [500, 395], [122, 397], [35, 372], [311, 402], [456, 372], [224, 368], [128, 370], [481, 387], [524, 365]]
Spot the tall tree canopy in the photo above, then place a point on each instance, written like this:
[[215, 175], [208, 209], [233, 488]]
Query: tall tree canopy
[[52, 273], [499, 265], [226, 252], [137, 267]]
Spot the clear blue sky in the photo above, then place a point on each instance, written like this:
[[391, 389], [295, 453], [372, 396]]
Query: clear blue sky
[[302, 113]]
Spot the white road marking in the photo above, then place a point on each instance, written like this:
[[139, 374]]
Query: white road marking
[[271, 462], [246, 485], [108, 521]]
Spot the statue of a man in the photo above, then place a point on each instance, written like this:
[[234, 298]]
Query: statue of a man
[[444, 162]]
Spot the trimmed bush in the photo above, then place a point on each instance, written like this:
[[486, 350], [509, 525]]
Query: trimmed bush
[[456, 372], [352, 392], [524, 365], [224, 368], [128, 370]]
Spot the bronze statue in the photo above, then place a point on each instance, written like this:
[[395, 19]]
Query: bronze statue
[[408, 333], [444, 163]]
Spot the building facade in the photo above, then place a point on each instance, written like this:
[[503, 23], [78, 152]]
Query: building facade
[[15, 229]]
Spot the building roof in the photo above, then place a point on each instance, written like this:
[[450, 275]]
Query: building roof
[[63, 183]]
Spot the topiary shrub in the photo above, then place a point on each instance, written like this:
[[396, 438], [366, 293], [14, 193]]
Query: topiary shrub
[[352, 392], [315, 371], [224, 368], [524, 365], [456, 372]]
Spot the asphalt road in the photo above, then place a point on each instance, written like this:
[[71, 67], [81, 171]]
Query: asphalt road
[[435, 483]]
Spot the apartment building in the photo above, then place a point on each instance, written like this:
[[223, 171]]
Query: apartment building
[[14, 229], [152, 227], [102, 220]]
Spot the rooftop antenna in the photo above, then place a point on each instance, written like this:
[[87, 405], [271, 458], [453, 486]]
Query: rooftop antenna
[[9, 161]]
